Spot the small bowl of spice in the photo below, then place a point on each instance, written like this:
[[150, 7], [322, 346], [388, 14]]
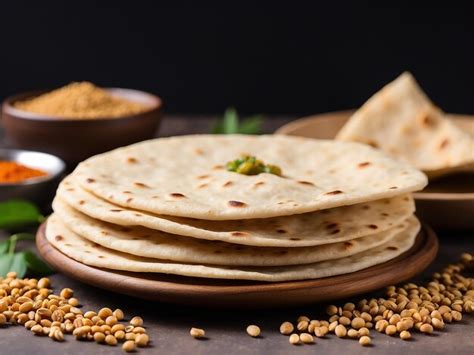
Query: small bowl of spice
[[28, 175], [80, 120]]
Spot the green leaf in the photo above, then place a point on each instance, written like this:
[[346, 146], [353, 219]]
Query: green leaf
[[13, 262], [230, 124], [18, 213], [252, 125], [19, 264], [35, 264], [4, 246]]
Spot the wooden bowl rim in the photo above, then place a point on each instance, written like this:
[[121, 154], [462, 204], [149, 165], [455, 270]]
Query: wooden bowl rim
[[444, 196], [156, 104]]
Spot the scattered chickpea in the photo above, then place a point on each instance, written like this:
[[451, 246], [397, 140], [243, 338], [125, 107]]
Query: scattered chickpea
[[128, 346], [364, 340], [197, 333], [253, 331], [340, 331], [294, 339], [286, 328], [306, 338], [136, 321], [405, 335], [142, 340]]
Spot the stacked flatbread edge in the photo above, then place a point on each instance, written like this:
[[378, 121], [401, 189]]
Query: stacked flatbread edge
[[170, 206]]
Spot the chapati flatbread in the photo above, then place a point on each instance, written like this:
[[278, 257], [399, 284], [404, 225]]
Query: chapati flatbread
[[185, 176], [154, 244], [402, 121], [309, 229], [95, 255]]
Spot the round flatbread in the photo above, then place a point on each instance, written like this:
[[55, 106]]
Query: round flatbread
[[309, 229], [159, 245], [186, 176], [95, 255]]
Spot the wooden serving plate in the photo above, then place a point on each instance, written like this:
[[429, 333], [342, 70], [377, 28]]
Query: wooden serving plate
[[445, 203], [245, 294]]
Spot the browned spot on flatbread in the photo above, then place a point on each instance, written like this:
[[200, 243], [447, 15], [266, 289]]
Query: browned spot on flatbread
[[217, 251], [393, 187], [373, 144], [236, 204], [70, 189], [115, 210], [129, 200], [444, 143], [137, 214], [348, 245], [141, 185], [127, 192], [295, 239], [200, 177], [198, 151], [392, 248], [132, 160], [202, 186], [281, 252], [101, 257], [335, 192], [302, 182], [365, 207], [335, 231], [68, 245], [58, 238], [426, 119], [384, 214], [177, 195], [239, 234], [81, 202], [90, 181], [281, 231], [364, 164], [227, 183], [218, 167], [155, 196], [332, 225], [104, 232], [373, 226], [258, 183]]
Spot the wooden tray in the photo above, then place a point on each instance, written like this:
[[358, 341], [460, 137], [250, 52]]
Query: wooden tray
[[445, 203], [245, 294]]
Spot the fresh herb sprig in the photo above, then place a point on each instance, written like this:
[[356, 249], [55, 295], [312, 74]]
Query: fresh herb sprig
[[19, 214], [231, 124]]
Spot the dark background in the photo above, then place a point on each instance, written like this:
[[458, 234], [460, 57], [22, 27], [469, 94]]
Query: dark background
[[270, 57]]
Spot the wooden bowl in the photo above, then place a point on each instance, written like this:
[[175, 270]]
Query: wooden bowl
[[74, 140], [446, 203]]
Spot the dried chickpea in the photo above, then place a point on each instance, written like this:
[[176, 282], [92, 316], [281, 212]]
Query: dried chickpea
[[286, 328], [294, 339], [142, 340], [306, 338], [364, 340], [253, 331], [197, 333], [128, 346]]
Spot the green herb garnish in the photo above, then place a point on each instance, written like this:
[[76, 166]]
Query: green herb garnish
[[249, 165], [231, 124], [18, 214]]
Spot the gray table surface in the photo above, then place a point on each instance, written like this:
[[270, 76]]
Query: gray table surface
[[169, 325]]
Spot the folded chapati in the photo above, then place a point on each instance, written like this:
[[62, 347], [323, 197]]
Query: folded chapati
[[93, 254], [186, 176], [309, 229], [402, 121], [159, 245]]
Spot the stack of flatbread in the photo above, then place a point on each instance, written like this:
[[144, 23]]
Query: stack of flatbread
[[402, 121], [170, 206]]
